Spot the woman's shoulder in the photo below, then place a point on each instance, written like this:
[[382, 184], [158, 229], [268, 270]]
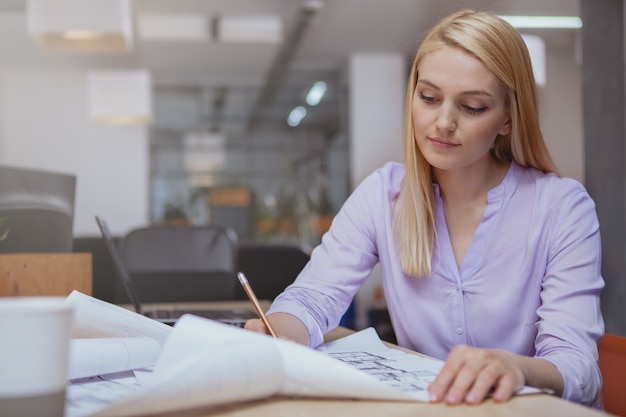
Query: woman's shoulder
[[562, 199], [387, 177], [551, 187]]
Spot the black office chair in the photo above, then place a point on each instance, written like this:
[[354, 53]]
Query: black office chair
[[270, 268], [181, 263], [104, 276]]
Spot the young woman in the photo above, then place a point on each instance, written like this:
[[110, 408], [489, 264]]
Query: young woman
[[489, 259]]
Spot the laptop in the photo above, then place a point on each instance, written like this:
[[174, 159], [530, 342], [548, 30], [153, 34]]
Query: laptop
[[235, 316]]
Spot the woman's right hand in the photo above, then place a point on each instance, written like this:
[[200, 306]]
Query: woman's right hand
[[286, 326], [256, 325]]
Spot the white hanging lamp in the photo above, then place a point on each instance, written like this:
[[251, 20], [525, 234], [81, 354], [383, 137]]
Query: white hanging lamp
[[121, 98], [70, 26]]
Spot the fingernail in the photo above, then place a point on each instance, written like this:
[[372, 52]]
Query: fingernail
[[471, 398], [452, 399], [498, 396], [434, 396]]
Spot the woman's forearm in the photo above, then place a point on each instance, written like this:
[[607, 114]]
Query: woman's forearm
[[289, 327], [541, 373]]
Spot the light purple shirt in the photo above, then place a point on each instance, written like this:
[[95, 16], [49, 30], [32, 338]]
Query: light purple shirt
[[529, 283]]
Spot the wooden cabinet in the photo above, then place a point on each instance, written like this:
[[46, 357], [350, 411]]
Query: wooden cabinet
[[55, 274]]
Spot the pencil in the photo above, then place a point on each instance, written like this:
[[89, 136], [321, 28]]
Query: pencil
[[248, 289]]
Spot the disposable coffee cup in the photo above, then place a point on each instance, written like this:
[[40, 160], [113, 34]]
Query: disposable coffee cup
[[34, 353]]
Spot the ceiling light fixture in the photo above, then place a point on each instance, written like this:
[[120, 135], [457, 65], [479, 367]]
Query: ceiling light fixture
[[316, 93], [120, 98], [255, 29], [80, 35], [182, 27], [70, 26], [544, 22], [296, 115]]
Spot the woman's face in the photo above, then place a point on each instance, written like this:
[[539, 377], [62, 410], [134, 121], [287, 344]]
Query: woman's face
[[459, 108]]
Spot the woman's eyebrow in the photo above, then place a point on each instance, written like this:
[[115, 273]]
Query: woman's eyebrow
[[428, 83], [464, 93]]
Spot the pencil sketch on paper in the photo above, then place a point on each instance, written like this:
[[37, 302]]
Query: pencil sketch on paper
[[382, 369], [88, 395]]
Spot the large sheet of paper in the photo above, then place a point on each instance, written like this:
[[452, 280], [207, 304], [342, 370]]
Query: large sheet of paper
[[214, 363], [97, 318]]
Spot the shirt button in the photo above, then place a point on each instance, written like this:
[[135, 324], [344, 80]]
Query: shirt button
[[459, 331]]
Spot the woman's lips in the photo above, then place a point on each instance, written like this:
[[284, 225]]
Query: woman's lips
[[443, 143]]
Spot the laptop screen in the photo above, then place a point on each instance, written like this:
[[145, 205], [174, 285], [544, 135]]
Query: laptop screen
[[119, 266]]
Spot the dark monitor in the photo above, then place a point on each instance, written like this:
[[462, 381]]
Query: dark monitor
[[36, 210]]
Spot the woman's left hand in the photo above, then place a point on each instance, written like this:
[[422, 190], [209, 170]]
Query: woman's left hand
[[470, 374]]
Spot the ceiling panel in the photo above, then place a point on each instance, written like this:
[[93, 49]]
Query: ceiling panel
[[239, 73]]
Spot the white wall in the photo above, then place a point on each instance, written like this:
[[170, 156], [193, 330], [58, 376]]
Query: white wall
[[562, 114], [44, 125], [377, 85]]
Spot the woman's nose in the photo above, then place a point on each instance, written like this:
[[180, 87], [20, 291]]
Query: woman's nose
[[446, 119]]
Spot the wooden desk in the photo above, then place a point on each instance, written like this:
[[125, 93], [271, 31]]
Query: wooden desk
[[522, 406]]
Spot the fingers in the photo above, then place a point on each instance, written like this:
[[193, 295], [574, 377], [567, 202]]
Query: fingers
[[486, 378], [470, 374], [439, 388], [462, 368], [506, 388], [256, 325]]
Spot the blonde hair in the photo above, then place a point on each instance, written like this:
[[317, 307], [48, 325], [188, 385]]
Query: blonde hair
[[502, 50]]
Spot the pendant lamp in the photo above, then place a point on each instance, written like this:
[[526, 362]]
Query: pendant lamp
[[120, 98], [70, 26]]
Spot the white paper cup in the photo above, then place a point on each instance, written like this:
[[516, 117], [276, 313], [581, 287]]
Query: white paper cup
[[34, 352]]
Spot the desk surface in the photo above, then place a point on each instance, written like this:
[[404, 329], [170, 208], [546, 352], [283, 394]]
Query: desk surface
[[538, 405], [523, 406]]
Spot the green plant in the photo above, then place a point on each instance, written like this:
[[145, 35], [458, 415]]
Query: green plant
[[174, 212], [6, 232]]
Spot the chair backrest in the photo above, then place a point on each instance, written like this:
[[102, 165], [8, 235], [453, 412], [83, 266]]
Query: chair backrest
[[181, 263], [612, 362], [37, 210], [270, 268]]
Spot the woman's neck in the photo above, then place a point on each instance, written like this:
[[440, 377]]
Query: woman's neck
[[470, 183]]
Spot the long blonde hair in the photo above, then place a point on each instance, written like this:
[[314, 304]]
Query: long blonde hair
[[502, 50]]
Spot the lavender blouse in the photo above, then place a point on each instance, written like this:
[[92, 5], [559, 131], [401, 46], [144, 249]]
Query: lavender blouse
[[530, 281]]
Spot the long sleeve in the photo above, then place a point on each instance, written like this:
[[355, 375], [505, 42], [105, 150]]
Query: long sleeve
[[341, 263], [570, 323]]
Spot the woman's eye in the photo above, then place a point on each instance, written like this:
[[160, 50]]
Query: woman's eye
[[475, 110], [427, 99]]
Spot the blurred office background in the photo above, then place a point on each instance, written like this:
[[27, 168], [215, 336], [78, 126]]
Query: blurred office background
[[217, 144]]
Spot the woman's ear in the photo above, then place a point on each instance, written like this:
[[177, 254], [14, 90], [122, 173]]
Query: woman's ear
[[506, 128]]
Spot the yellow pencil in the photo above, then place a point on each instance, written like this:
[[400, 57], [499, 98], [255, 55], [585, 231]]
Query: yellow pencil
[[248, 289]]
